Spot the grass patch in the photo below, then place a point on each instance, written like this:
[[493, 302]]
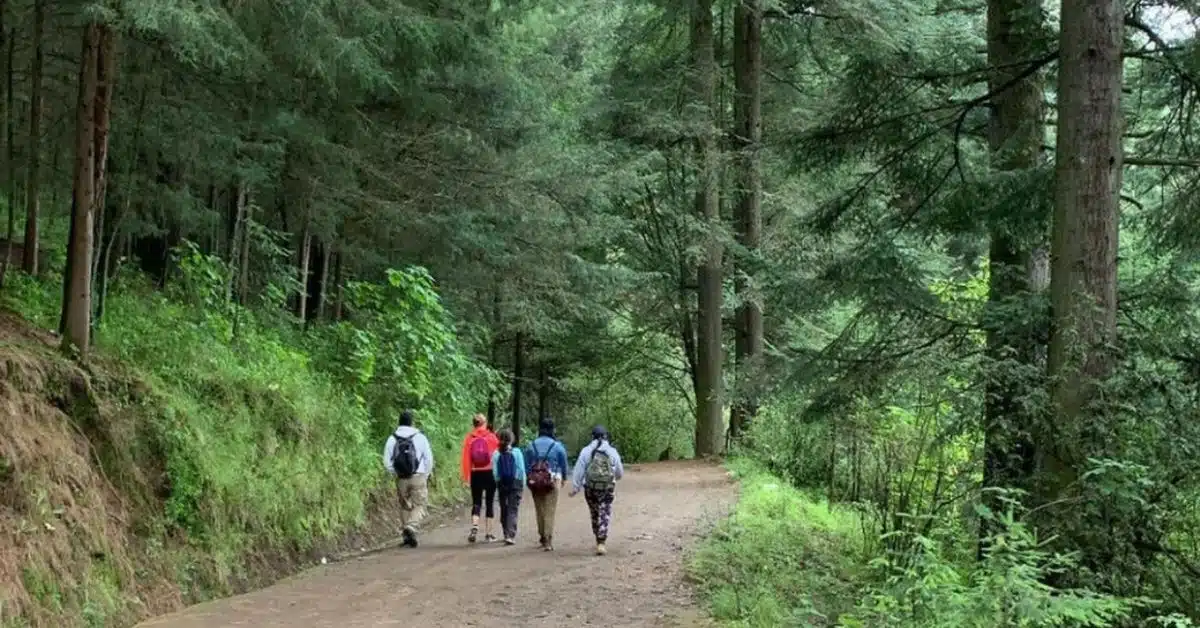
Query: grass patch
[[204, 450], [783, 558]]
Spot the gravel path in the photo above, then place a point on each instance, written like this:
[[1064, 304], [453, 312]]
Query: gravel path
[[660, 509]]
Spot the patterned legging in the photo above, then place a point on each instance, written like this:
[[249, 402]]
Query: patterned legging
[[600, 503]]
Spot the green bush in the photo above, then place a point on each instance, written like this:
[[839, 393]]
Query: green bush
[[786, 558], [270, 437]]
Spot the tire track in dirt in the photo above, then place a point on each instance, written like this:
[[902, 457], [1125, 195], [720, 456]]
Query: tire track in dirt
[[659, 511]]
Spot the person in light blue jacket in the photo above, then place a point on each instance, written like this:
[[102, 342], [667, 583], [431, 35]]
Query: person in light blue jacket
[[596, 473], [508, 468]]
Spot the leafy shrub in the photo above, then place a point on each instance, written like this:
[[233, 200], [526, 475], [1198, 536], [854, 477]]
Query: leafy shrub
[[269, 437], [783, 558]]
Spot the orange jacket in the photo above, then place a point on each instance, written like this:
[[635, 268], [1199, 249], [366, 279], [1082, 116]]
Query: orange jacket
[[493, 445]]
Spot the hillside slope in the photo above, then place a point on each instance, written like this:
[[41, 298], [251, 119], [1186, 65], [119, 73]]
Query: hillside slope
[[90, 525]]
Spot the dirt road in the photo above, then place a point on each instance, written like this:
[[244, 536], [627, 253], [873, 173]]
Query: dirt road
[[660, 508]]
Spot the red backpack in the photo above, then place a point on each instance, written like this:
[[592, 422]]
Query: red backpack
[[481, 456]]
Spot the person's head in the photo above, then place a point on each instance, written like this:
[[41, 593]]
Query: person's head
[[546, 427], [599, 433], [479, 420], [406, 418], [506, 439]]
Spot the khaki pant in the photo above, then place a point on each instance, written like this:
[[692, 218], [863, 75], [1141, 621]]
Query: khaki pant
[[413, 494], [545, 505]]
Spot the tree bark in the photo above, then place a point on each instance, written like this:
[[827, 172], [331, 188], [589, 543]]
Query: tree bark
[[305, 257], [543, 393], [322, 295], [747, 138], [339, 293], [493, 409], [1083, 280], [95, 68], [33, 181], [236, 239], [709, 355], [244, 249], [10, 169], [105, 84], [1014, 31], [518, 376]]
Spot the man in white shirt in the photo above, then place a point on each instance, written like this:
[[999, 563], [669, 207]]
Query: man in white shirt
[[408, 457]]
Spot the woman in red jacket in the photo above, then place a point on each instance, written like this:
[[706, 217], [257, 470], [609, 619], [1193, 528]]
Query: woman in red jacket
[[478, 448]]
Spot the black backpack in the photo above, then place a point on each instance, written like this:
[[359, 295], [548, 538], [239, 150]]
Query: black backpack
[[404, 457]]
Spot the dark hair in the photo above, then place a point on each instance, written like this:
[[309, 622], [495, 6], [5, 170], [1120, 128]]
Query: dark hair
[[406, 418], [506, 439], [546, 427], [599, 433]]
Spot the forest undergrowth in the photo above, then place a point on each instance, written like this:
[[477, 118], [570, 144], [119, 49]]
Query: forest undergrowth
[[788, 556], [208, 448]]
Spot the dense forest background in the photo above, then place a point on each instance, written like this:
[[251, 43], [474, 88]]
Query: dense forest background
[[934, 260]]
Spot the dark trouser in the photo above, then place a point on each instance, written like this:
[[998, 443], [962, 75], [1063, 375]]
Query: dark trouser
[[510, 503], [483, 484], [600, 503]]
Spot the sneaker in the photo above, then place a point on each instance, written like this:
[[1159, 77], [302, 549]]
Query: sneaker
[[410, 537], [600, 549], [474, 533], [491, 538], [510, 541]]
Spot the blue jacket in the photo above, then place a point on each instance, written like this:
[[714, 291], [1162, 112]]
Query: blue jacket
[[518, 461], [545, 447]]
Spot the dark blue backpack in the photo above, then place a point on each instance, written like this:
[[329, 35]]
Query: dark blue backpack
[[506, 467]]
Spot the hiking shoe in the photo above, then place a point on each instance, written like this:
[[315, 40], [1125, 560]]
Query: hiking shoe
[[474, 533], [491, 538], [410, 537], [600, 549]]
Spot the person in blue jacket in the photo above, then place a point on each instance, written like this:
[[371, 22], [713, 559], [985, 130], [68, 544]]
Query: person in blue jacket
[[508, 467], [546, 471]]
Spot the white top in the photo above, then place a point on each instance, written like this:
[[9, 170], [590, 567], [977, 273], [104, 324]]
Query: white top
[[424, 453]]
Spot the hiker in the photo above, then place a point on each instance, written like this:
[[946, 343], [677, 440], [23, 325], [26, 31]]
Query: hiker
[[508, 466], [546, 472], [408, 457], [478, 448], [596, 473]]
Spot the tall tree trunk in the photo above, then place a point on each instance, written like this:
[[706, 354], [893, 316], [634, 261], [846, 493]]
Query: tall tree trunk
[[493, 405], [10, 169], [33, 183], [305, 257], [710, 404], [244, 263], [236, 239], [518, 376], [339, 295], [747, 138], [1083, 281], [322, 294], [106, 70], [543, 393], [1014, 32], [77, 289]]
